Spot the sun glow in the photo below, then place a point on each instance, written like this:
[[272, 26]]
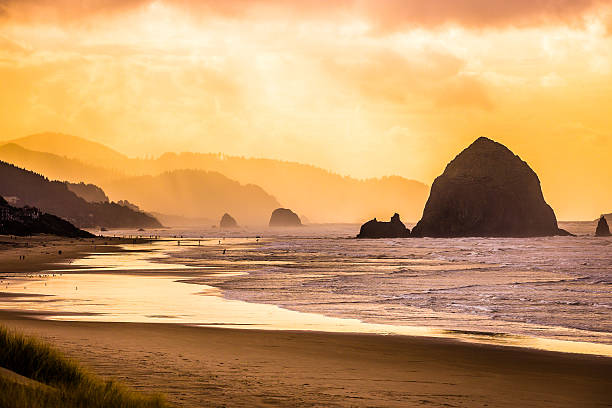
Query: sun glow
[[353, 89]]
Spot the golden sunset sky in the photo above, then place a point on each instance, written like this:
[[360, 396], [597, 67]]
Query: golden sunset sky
[[363, 88]]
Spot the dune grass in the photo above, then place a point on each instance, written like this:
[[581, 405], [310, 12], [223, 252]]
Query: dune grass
[[59, 381]]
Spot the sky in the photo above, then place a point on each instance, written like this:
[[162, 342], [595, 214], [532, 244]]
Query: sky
[[363, 88]]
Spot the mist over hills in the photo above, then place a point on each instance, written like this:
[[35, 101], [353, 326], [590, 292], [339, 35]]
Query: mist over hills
[[179, 198], [73, 147], [318, 194], [27, 188], [198, 194], [56, 167]]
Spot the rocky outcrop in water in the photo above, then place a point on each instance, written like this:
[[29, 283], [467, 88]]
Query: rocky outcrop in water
[[227, 221], [487, 191], [603, 230], [284, 217], [395, 228]]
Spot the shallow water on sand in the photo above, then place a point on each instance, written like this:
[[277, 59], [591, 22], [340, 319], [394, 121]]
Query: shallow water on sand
[[508, 291]]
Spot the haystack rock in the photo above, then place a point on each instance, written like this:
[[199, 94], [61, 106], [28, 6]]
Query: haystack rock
[[603, 230], [395, 228], [487, 191], [284, 217], [227, 221]]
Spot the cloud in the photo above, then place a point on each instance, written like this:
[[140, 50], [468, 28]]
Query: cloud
[[395, 14], [63, 10], [383, 15], [9, 47], [464, 91], [552, 80], [388, 77]]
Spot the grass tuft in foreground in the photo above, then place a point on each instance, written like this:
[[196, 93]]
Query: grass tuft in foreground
[[56, 381]]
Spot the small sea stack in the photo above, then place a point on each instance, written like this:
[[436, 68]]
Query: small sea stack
[[227, 221], [395, 228], [603, 230], [487, 191], [284, 217]]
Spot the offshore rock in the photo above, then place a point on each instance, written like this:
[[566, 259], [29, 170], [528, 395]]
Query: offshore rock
[[603, 230], [395, 228], [487, 191], [284, 217], [227, 221]]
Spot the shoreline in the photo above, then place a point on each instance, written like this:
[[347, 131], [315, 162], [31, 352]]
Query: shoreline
[[325, 323], [531, 341], [207, 366], [45, 252], [213, 366]]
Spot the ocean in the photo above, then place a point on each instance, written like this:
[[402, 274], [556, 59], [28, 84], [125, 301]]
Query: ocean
[[480, 289]]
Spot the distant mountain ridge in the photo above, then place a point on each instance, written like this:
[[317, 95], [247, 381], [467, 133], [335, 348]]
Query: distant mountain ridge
[[73, 147], [318, 194], [54, 166], [54, 197]]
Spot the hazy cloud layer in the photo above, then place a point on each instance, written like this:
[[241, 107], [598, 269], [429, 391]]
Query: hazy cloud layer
[[386, 76], [365, 88], [383, 15]]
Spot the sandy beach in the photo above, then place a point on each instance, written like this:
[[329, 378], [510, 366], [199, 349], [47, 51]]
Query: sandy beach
[[208, 366], [198, 366], [44, 252]]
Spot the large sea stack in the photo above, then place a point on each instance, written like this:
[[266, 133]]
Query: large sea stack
[[227, 221], [395, 228], [487, 191], [603, 230], [284, 217]]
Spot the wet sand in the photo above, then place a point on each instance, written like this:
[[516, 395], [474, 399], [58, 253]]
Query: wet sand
[[198, 366], [42, 252]]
